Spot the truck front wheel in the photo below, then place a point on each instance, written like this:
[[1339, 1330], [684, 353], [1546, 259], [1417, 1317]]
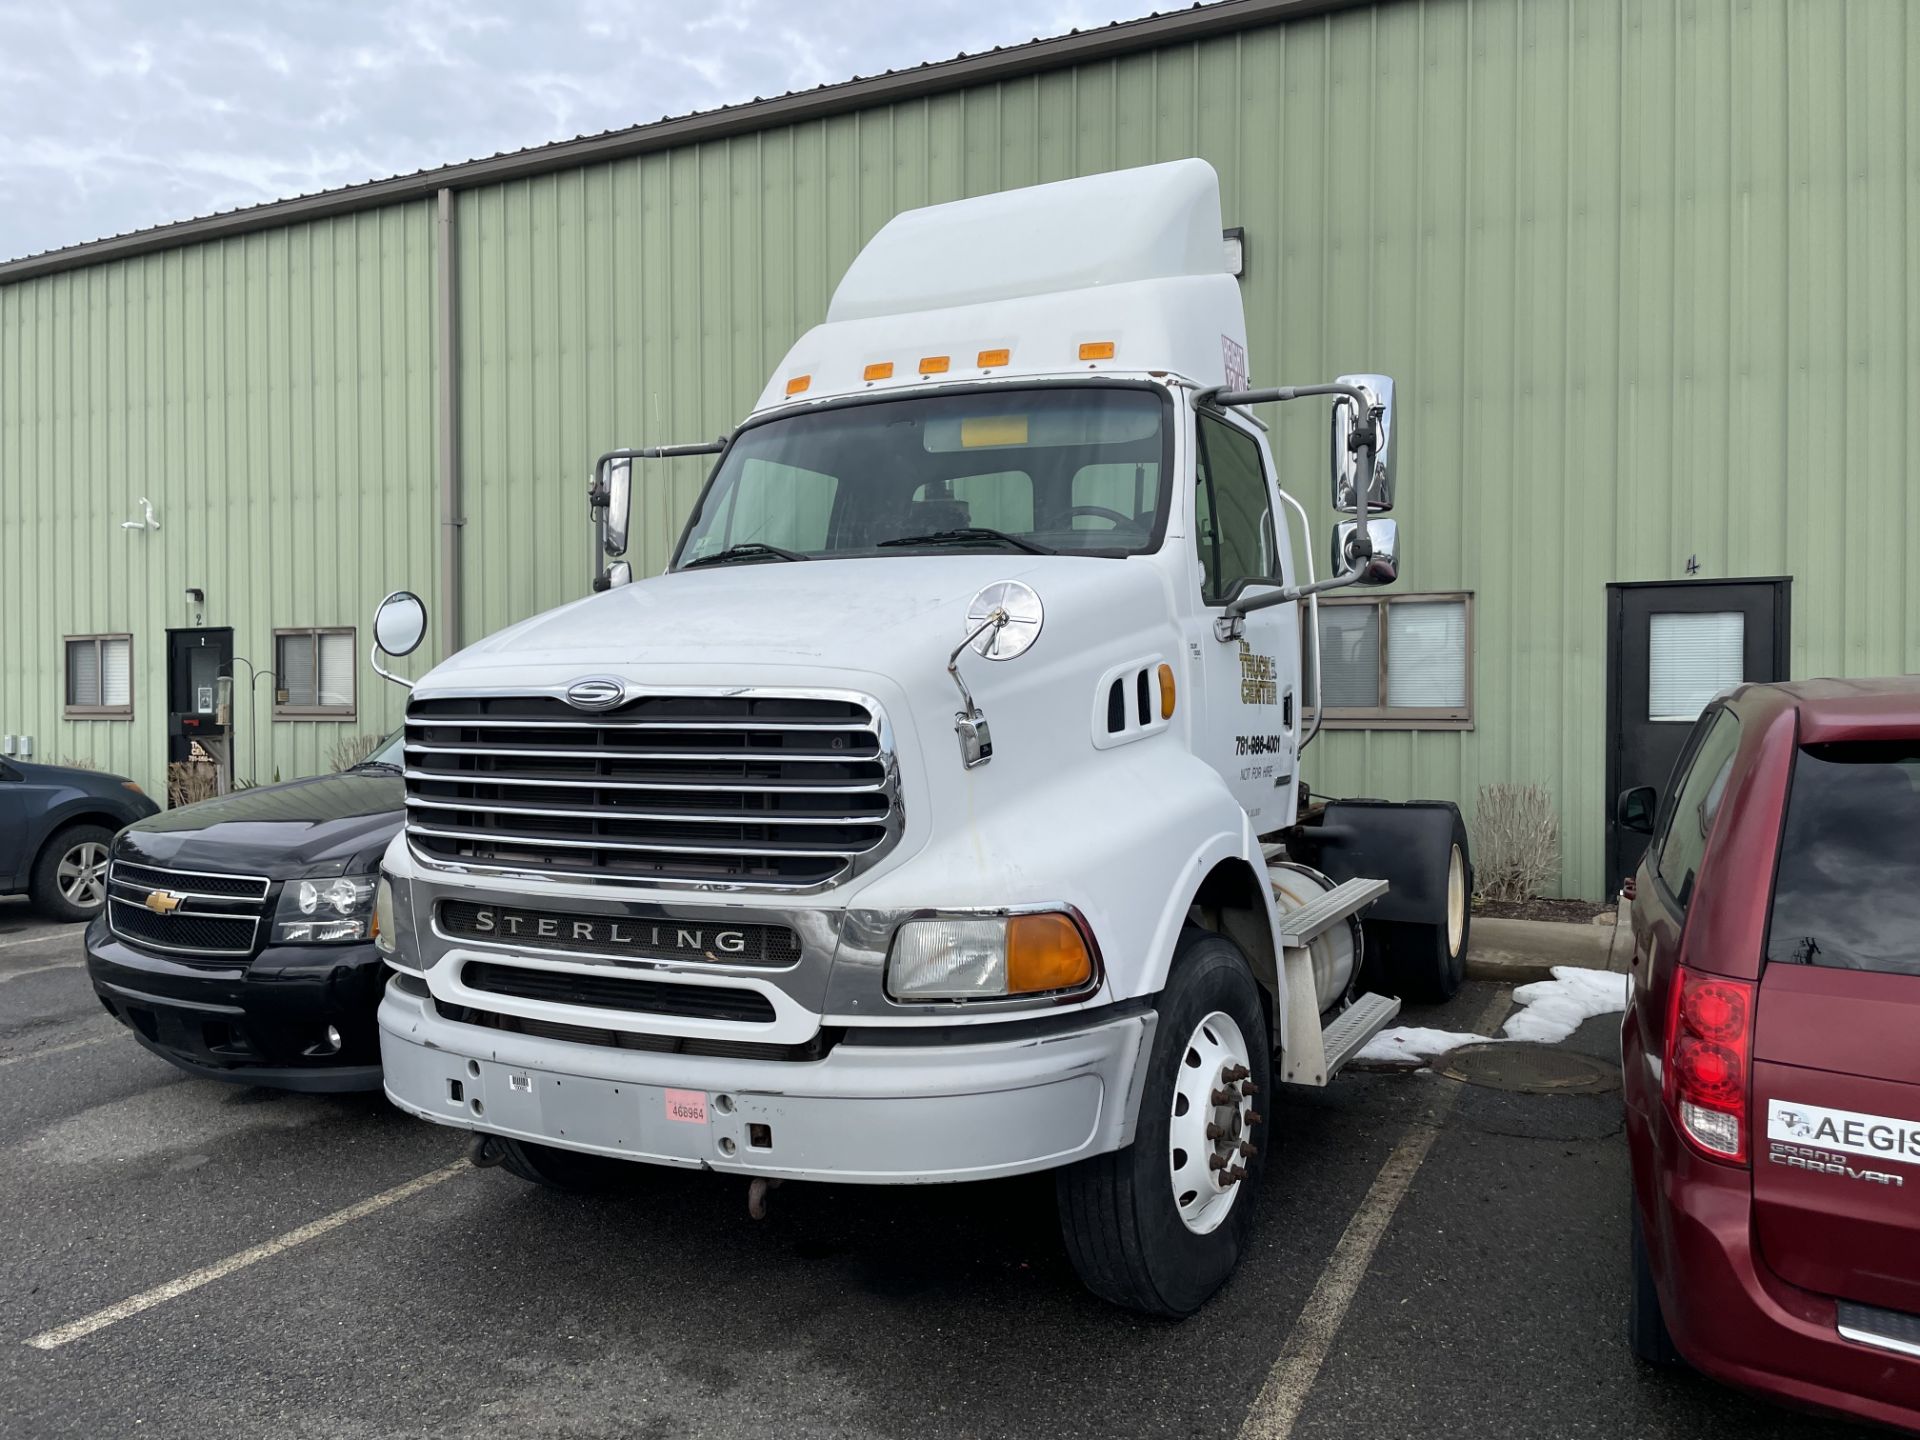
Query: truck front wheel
[[1159, 1226]]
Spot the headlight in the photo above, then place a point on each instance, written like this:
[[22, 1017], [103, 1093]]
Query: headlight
[[989, 958], [325, 912]]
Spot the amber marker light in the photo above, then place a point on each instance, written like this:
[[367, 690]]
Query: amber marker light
[[1046, 952], [994, 359], [798, 384], [1166, 692], [933, 364], [879, 370], [1097, 350]]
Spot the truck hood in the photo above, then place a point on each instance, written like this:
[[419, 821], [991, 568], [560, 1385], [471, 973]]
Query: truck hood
[[329, 825], [892, 615]]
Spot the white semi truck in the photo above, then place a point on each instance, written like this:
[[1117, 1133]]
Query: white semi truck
[[937, 815]]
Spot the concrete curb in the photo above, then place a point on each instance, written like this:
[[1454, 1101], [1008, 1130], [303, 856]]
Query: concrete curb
[[1518, 951]]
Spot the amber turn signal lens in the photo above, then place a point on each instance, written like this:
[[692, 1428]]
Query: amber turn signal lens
[[1097, 350], [798, 384], [1046, 952], [1166, 692], [879, 370]]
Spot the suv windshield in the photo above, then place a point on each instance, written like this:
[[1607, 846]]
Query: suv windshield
[[1077, 469], [1848, 892]]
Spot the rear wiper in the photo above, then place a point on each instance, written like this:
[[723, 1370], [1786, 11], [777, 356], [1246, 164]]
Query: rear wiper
[[746, 550], [971, 534]]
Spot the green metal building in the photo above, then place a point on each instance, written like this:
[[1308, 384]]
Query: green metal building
[[1647, 273]]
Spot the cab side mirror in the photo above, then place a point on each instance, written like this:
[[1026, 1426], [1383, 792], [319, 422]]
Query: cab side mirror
[[1634, 809], [1346, 459], [612, 500], [1383, 567], [399, 625]]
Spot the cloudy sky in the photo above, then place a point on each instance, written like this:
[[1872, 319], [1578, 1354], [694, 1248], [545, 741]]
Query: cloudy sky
[[120, 114]]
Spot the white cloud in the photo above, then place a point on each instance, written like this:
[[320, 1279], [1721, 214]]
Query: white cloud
[[120, 114]]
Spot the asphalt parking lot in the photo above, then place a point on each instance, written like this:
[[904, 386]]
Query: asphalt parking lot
[[147, 1284]]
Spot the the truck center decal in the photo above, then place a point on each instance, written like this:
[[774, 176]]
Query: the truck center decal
[[1259, 678]]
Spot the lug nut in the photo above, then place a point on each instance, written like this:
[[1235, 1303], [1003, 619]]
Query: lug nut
[[1216, 1162], [1226, 1096], [1247, 1150], [1235, 1072], [1254, 1117], [1236, 1175], [1247, 1087], [1216, 1131]]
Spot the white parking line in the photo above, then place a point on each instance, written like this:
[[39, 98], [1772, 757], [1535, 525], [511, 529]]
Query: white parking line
[[6, 1060], [1279, 1402], [206, 1275], [5, 976], [40, 935]]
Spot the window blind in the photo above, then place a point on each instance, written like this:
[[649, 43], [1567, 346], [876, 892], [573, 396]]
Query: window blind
[[296, 669], [1427, 654], [336, 670], [1690, 659], [1349, 656], [116, 672], [83, 672]]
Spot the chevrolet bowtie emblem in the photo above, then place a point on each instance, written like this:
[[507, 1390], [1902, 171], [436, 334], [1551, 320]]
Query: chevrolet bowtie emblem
[[162, 902]]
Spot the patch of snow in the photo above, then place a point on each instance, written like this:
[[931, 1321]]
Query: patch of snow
[[1550, 1011]]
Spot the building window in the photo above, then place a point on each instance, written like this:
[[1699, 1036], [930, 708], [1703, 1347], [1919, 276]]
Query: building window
[[99, 676], [313, 674], [1403, 662]]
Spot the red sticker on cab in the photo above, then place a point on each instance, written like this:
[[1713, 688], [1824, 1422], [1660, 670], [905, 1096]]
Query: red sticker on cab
[[687, 1106]]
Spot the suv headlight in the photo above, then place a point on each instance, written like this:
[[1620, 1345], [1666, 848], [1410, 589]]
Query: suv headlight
[[995, 957], [325, 912]]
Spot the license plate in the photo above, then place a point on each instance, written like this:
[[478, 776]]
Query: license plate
[[689, 1107]]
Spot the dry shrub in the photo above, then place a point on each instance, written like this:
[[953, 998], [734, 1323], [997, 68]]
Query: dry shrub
[[188, 783], [1516, 841], [352, 750], [79, 762]]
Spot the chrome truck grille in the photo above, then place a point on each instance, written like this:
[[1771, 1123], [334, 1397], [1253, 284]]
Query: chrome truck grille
[[714, 791]]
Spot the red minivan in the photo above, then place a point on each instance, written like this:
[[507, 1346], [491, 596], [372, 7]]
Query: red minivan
[[1771, 1049]]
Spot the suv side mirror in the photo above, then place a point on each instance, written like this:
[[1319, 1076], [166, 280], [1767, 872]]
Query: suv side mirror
[[1346, 460], [1634, 809]]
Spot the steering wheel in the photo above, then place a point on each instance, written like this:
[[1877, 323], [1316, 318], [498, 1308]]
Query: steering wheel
[[1101, 512]]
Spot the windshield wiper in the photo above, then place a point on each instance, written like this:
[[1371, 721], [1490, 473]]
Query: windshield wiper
[[377, 765], [746, 550], [971, 534]]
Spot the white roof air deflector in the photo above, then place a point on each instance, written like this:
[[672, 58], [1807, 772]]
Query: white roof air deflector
[[1155, 222]]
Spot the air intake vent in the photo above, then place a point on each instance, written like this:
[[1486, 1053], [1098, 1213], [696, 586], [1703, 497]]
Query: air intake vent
[[763, 791], [1129, 704]]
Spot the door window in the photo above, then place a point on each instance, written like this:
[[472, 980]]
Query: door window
[[1690, 817], [1691, 658], [1233, 512], [1848, 891]]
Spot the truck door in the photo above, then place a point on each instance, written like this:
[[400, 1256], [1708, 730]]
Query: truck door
[[1249, 708]]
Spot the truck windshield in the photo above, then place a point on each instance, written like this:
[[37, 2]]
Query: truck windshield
[[1076, 469], [1848, 892]]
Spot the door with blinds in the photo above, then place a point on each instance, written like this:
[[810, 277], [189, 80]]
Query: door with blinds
[[1671, 648], [196, 662]]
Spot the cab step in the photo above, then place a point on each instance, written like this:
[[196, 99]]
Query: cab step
[[1354, 1026], [1303, 926]]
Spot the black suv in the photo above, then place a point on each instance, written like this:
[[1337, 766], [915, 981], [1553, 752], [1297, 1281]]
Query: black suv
[[238, 936], [56, 822]]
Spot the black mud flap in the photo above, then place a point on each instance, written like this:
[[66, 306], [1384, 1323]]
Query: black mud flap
[[1406, 843]]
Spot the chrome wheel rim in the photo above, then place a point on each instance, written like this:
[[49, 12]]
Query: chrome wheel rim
[[82, 875], [1456, 900], [1208, 1138]]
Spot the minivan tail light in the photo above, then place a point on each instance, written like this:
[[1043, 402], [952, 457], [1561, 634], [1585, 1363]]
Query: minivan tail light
[[1709, 1062]]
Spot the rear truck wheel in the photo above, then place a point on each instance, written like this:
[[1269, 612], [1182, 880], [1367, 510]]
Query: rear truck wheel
[[571, 1172], [69, 879], [1647, 1334], [1427, 963], [1159, 1226]]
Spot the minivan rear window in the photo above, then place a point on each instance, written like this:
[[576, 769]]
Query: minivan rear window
[[1848, 890]]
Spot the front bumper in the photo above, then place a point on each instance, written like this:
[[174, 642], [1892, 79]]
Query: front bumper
[[253, 1023], [892, 1113]]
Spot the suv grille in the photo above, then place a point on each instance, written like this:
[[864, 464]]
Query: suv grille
[[767, 791], [214, 916]]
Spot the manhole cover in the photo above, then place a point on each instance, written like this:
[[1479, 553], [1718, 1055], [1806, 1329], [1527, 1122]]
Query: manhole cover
[[1533, 1069]]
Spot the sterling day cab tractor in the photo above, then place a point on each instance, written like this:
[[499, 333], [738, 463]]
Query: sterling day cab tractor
[[937, 815]]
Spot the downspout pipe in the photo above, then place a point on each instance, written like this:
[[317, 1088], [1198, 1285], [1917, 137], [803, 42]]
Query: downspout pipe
[[447, 405]]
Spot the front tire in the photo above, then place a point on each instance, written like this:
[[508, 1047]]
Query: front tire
[[69, 880], [1158, 1226]]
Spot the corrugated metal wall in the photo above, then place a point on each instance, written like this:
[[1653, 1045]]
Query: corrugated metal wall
[[273, 396], [1642, 268]]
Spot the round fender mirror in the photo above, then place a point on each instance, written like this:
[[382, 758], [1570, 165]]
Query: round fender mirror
[[400, 624]]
